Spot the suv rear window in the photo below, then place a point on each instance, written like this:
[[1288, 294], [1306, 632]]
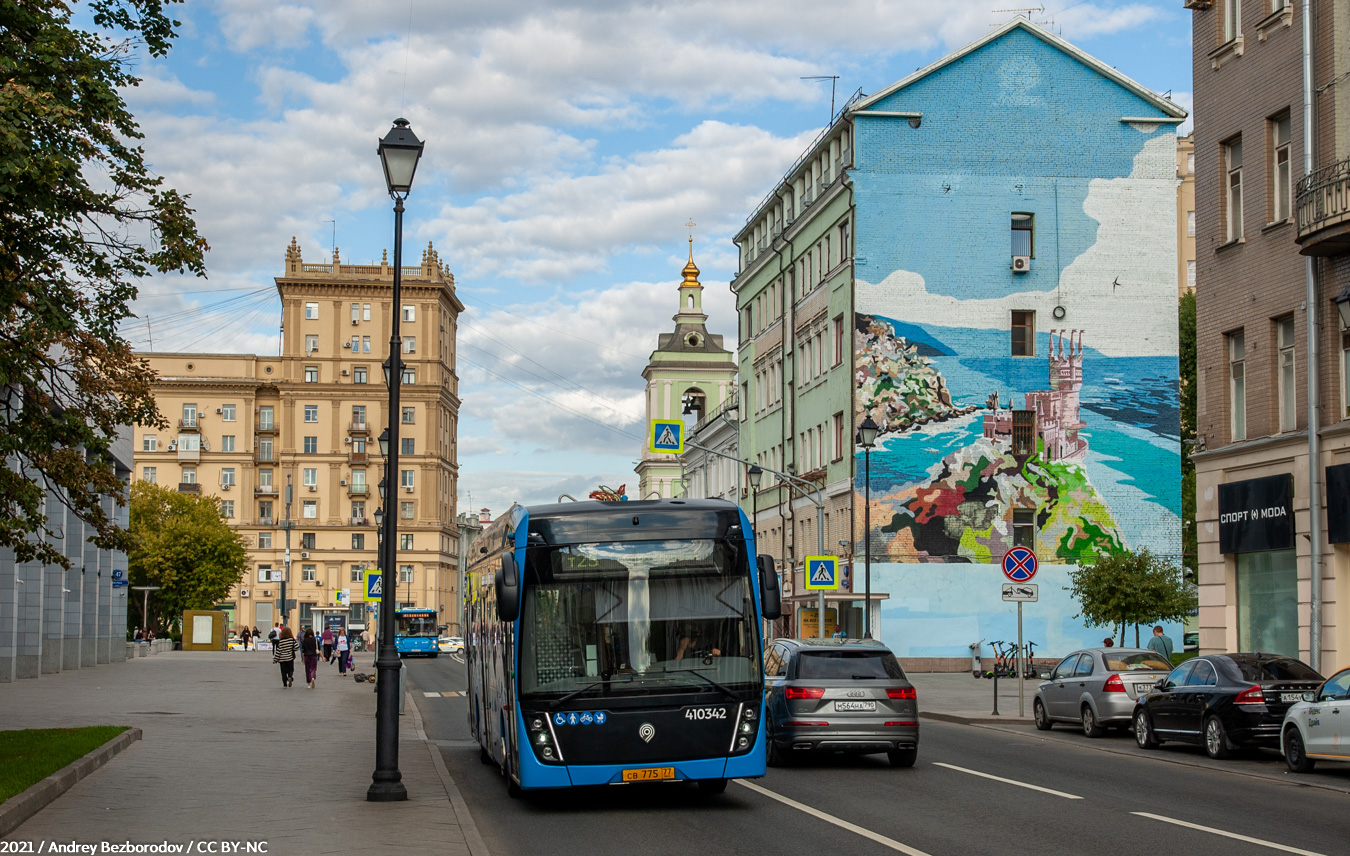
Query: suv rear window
[[1282, 669], [846, 665], [1136, 662]]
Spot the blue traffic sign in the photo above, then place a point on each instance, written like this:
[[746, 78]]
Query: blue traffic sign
[[1019, 564], [822, 573], [119, 574], [666, 436], [121, 583], [374, 585]]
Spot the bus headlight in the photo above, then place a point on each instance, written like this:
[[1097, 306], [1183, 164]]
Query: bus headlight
[[548, 752], [747, 728], [751, 713], [541, 738], [536, 724], [742, 743]]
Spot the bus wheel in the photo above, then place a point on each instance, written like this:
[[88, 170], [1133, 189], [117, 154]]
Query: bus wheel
[[513, 790], [434, 654], [712, 787]]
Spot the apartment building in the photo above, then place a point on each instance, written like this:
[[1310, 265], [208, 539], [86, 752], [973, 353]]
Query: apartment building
[[1185, 214], [1274, 563], [1001, 302], [289, 443]]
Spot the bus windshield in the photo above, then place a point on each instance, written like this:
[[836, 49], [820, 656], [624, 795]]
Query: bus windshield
[[634, 617], [415, 624]]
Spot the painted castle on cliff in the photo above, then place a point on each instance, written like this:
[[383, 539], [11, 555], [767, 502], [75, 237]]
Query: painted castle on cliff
[[1049, 423]]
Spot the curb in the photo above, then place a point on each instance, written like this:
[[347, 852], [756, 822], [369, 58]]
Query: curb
[[472, 839], [20, 807], [973, 719]]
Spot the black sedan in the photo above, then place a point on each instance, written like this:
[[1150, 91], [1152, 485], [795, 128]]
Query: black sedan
[[1223, 701]]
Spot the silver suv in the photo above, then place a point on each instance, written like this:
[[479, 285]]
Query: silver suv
[[838, 695]]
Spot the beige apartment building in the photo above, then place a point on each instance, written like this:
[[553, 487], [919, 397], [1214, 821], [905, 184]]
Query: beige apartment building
[[1185, 214], [243, 428]]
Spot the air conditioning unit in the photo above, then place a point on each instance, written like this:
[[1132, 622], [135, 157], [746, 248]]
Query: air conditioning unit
[[347, 440], [318, 582], [218, 411], [343, 482], [313, 488], [243, 592], [408, 489], [1021, 264], [226, 485], [173, 446], [267, 593], [345, 372], [353, 322], [348, 345], [304, 554]]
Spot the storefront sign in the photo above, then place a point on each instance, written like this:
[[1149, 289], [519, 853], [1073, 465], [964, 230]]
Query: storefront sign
[[1338, 504], [1256, 515]]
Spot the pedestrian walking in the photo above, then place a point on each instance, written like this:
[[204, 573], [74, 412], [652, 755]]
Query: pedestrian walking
[[310, 649], [327, 638], [256, 636], [1162, 643], [275, 634], [245, 636], [343, 647], [367, 641], [283, 653]]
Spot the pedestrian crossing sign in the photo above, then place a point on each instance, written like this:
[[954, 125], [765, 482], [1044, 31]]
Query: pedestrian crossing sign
[[374, 584], [822, 573], [666, 436]]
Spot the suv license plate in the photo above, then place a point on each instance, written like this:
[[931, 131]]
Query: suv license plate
[[650, 774], [855, 705]]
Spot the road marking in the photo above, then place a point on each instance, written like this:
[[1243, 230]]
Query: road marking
[[1226, 834], [829, 818], [432, 695], [452, 695], [1007, 781]]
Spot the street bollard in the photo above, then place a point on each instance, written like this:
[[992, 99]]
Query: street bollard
[[402, 685], [995, 713]]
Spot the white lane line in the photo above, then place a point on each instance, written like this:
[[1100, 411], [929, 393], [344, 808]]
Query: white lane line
[[1008, 781], [829, 818], [432, 695], [1226, 834]]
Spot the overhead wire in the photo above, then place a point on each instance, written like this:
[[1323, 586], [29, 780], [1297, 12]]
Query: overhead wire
[[551, 401]]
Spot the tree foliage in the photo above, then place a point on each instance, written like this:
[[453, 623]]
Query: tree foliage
[[82, 219], [1131, 588], [182, 544]]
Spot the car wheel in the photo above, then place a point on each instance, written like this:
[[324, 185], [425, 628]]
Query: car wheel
[[1091, 727], [1143, 731], [1295, 753], [1216, 741], [712, 787], [1042, 718], [774, 756], [903, 757], [435, 654]]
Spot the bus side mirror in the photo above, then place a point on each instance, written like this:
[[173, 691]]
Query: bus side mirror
[[508, 588], [770, 598]]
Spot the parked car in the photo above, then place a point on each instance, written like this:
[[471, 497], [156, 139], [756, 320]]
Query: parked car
[[1223, 701], [838, 695], [1318, 728], [450, 644], [1097, 688], [1190, 641]]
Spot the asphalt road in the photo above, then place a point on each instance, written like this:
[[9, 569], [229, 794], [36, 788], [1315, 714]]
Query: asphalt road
[[975, 790]]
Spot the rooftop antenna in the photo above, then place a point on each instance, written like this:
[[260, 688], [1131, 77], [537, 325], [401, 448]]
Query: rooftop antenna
[[1025, 13], [334, 222], [833, 79]]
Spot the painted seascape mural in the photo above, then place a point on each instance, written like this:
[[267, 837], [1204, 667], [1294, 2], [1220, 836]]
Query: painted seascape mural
[[1074, 446]]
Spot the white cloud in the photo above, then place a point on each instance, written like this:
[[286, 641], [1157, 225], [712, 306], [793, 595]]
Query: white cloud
[[498, 489]]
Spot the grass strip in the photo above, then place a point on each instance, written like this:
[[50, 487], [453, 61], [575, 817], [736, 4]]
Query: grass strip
[[27, 756]]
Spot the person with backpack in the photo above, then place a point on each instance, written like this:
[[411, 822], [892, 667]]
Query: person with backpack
[[343, 648], [283, 653], [310, 649]]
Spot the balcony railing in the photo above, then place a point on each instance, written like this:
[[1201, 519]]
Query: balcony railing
[[359, 428], [358, 457], [267, 428], [267, 489], [264, 521], [265, 456], [360, 521], [189, 424], [1323, 206], [189, 487], [358, 490]]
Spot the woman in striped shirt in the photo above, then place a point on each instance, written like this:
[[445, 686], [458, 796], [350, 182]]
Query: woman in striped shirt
[[283, 652]]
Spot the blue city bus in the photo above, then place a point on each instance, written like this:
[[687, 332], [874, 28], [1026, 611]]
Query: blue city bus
[[617, 643], [416, 631]]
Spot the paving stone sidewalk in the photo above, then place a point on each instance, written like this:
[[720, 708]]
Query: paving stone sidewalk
[[229, 755], [958, 697]]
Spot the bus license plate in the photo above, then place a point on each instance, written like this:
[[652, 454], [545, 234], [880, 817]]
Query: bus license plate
[[855, 705], [650, 774]]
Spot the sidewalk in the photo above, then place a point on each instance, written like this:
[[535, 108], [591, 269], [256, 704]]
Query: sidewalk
[[958, 697], [229, 755]]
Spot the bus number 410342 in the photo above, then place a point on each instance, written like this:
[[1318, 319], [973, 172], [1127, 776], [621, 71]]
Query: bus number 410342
[[706, 713]]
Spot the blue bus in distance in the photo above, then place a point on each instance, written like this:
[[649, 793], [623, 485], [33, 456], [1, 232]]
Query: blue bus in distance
[[619, 643], [416, 632]]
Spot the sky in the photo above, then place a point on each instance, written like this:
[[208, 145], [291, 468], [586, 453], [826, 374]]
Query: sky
[[567, 145]]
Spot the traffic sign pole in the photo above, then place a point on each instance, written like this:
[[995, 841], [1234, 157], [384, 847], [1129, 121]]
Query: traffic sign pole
[[1021, 667], [1019, 565]]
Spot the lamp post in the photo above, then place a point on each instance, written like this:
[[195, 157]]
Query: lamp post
[[867, 438], [399, 152]]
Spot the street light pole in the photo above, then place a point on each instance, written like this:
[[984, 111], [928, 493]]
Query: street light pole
[[867, 438], [399, 152], [286, 572]]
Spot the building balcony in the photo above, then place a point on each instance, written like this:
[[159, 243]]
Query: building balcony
[[267, 428], [189, 454], [265, 456], [358, 457], [358, 428], [265, 490], [359, 521], [265, 521], [1323, 205], [190, 487], [358, 490], [193, 424]]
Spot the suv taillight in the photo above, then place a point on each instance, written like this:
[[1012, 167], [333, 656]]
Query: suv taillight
[[1113, 685], [906, 693], [803, 692], [1251, 695]]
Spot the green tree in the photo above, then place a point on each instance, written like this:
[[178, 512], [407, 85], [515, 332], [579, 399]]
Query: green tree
[[1186, 351], [82, 219], [181, 544], [1130, 588]]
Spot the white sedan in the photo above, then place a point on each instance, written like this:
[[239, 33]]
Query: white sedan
[[450, 644], [1319, 730]]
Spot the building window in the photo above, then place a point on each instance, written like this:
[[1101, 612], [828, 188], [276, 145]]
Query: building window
[[840, 442], [227, 509], [409, 313], [357, 575], [265, 446], [309, 573], [409, 344], [365, 314], [358, 414], [356, 343], [227, 476], [227, 413], [311, 343], [150, 475], [1190, 273], [359, 374], [227, 443], [264, 540], [310, 509], [1345, 372], [358, 480], [189, 475], [838, 340], [1233, 200], [409, 375], [149, 443], [1024, 527], [311, 413], [405, 510], [1237, 391], [1286, 390], [310, 476], [356, 312], [359, 507], [311, 445], [1023, 334], [365, 343], [1023, 229], [265, 512], [405, 573], [409, 414], [1232, 19], [306, 614], [358, 540], [1268, 602], [307, 540], [405, 541], [1190, 224], [405, 478], [311, 374], [408, 446], [189, 415], [1281, 190], [189, 442], [1190, 163], [311, 311], [265, 418]]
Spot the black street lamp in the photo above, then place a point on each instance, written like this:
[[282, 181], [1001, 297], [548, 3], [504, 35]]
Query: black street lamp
[[867, 438], [756, 475], [399, 152]]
